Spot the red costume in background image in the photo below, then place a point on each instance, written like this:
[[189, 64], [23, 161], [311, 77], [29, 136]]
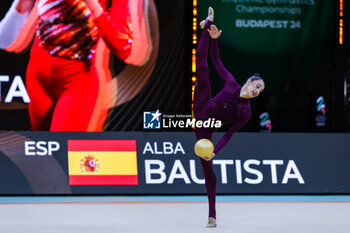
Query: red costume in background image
[[62, 79]]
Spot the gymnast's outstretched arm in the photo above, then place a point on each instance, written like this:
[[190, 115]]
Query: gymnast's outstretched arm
[[242, 120], [114, 26], [12, 23], [226, 76]]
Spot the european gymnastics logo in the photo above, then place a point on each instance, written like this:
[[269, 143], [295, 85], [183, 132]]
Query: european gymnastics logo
[[321, 107], [265, 121], [321, 112]]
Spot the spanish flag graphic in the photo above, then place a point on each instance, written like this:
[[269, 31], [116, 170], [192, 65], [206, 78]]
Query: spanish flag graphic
[[102, 162]]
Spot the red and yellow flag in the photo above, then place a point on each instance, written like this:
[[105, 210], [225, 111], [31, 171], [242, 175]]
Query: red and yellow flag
[[102, 162]]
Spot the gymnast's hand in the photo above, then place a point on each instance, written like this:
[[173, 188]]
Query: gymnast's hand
[[214, 32], [208, 159], [24, 6]]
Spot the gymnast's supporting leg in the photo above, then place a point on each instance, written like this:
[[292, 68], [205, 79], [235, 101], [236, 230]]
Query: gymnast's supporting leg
[[210, 184], [209, 175]]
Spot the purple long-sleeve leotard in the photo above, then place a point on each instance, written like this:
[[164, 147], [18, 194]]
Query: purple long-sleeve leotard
[[226, 106]]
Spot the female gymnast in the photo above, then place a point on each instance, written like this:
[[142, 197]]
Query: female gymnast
[[61, 78], [230, 105]]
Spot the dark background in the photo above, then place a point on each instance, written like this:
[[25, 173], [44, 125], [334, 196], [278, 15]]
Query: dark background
[[298, 66]]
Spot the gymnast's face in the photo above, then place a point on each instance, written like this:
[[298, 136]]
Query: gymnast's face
[[252, 89]]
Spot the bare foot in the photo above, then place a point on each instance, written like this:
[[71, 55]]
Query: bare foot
[[210, 14], [210, 17]]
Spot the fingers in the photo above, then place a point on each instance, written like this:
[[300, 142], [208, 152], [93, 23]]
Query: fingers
[[214, 35], [213, 28], [212, 32], [217, 34], [207, 158], [210, 158]]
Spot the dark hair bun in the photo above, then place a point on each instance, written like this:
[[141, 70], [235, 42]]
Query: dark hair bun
[[257, 74]]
